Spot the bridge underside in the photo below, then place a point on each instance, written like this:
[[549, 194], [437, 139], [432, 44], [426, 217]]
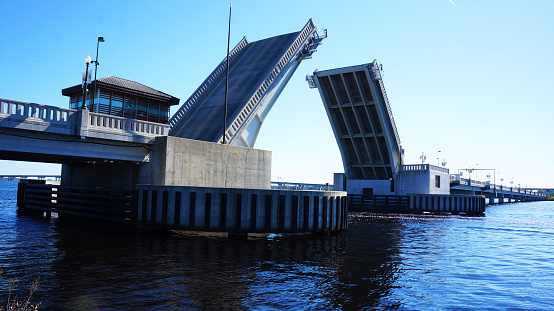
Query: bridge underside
[[357, 106], [33, 146]]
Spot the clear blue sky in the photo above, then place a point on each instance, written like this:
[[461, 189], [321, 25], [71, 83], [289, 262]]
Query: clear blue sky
[[473, 79]]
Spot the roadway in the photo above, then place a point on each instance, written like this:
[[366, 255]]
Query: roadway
[[246, 72]]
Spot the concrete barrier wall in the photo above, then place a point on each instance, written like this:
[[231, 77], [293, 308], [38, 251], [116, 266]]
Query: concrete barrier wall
[[241, 210], [178, 161], [469, 204]]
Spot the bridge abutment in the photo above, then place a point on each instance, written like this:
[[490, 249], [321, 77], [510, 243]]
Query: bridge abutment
[[191, 185]]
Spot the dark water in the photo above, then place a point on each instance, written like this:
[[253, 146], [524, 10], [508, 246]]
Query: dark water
[[503, 261]]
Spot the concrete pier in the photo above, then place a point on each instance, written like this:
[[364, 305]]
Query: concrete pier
[[241, 210]]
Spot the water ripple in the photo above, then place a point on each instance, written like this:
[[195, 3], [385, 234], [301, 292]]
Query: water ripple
[[503, 261]]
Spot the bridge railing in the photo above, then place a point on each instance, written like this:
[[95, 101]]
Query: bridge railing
[[300, 186], [376, 75], [456, 179], [415, 167], [294, 50], [466, 182], [52, 119], [125, 125], [185, 107], [424, 167], [24, 110]]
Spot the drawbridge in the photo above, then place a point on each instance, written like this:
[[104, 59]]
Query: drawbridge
[[258, 73], [358, 108]]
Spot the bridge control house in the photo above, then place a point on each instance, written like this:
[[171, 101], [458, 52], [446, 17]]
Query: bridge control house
[[123, 98]]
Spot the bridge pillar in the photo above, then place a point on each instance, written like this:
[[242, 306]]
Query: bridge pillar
[[500, 198], [489, 196], [105, 175]]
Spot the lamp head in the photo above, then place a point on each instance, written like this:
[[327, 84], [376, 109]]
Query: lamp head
[[88, 59], [100, 39]]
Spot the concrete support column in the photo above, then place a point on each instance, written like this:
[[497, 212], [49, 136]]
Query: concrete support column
[[104, 175], [339, 182], [500, 198], [489, 196]]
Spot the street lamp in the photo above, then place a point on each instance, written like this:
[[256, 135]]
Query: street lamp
[[87, 61], [95, 106], [512, 185]]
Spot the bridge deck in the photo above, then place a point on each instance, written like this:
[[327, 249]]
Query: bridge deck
[[49, 134], [258, 72], [246, 72]]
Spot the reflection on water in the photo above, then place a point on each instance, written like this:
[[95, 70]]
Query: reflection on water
[[210, 273], [501, 261]]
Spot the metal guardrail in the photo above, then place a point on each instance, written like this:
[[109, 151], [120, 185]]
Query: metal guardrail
[[455, 179], [185, 107], [376, 75], [299, 186], [293, 51]]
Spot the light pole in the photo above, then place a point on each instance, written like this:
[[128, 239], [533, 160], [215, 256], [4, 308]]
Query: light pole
[[227, 76], [95, 106], [87, 61], [423, 157], [512, 185]]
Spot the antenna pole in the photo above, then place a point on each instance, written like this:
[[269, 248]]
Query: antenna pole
[[227, 75]]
